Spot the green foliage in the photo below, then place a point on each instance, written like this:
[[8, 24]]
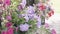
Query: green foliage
[[16, 19]]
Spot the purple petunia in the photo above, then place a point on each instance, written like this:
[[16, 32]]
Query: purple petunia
[[38, 24], [30, 16], [23, 3], [30, 10], [26, 18], [24, 27], [20, 7]]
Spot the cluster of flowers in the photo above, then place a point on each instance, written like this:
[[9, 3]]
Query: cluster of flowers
[[22, 18]]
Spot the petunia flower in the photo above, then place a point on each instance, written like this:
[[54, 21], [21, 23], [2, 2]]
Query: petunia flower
[[8, 24], [7, 2], [30, 10], [20, 7], [10, 30], [46, 25], [51, 13], [53, 31], [30, 16], [1, 2], [8, 17], [26, 18], [41, 7], [23, 3], [24, 27], [4, 32], [38, 24]]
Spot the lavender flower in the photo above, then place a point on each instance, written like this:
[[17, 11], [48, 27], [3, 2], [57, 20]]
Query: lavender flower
[[26, 18], [37, 17], [23, 15], [24, 27], [38, 24], [20, 7], [30, 16], [23, 3], [30, 10]]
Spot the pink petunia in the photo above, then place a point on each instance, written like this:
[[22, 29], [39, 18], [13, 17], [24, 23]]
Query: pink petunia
[[8, 17], [41, 7], [46, 25], [53, 31], [16, 28], [51, 13], [7, 2], [4, 32], [10, 31]]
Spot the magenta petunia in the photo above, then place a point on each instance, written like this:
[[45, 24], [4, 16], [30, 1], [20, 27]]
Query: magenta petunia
[[8, 24], [7, 2], [4, 32], [10, 31]]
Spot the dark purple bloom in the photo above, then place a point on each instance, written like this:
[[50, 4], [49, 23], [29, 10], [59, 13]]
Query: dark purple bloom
[[24, 27], [8, 24]]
